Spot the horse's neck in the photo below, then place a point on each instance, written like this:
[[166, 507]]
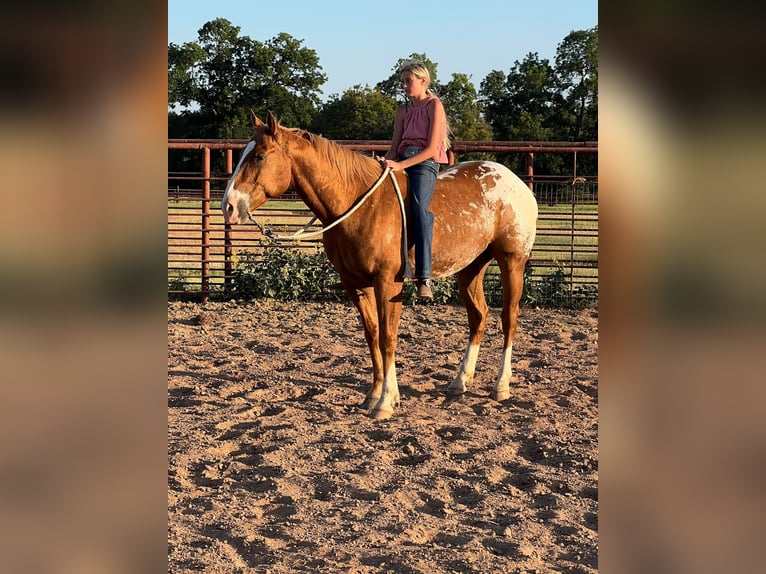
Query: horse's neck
[[327, 195]]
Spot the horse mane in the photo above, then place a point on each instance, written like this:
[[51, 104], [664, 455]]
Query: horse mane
[[350, 165]]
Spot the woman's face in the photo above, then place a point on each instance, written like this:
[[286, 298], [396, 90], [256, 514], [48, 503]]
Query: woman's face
[[413, 86]]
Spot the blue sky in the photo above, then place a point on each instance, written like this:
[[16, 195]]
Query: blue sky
[[360, 41]]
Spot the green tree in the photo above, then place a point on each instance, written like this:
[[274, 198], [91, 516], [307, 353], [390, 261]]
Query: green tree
[[520, 107], [464, 114], [540, 101], [493, 99], [530, 98], [215, 81], [577, 82], [290, 82], [464, 110], [360, 113], [182, 69], [577, 88]]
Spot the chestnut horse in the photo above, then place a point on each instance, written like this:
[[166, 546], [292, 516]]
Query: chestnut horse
[[482, 211]]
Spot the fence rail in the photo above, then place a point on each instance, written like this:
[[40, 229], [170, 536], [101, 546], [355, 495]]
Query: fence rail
[[201, 246]]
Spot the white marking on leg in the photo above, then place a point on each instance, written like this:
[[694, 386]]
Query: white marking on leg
[[504, 377], [467, 369], [389, 397]]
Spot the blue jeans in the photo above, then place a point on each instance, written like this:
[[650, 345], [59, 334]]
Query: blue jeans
[[422, 181]]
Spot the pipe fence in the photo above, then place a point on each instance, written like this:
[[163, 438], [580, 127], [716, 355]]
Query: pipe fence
[[563, 268]]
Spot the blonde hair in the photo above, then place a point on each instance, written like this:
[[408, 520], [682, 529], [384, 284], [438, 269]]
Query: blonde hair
[[419, 70]]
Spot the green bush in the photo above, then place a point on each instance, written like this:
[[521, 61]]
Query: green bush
[[553, 290], [550, 290], [285, 274], [289, 274]]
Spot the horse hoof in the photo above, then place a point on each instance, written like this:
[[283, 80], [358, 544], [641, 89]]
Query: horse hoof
[[500, 395], [369, 402], [381, 414], [455, 391]]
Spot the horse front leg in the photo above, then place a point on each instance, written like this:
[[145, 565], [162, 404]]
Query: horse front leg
[[364, 301], [389, 297]]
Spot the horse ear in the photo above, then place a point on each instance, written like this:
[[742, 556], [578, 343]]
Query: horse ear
[[271, 121], [255, 120]]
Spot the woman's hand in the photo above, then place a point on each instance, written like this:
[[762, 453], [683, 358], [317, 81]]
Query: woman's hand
[[391, 164]]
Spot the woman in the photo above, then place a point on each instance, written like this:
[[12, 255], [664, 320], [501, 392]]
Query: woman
[[418, 147]]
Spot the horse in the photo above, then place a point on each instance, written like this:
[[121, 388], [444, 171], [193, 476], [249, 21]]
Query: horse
[[482, 211]]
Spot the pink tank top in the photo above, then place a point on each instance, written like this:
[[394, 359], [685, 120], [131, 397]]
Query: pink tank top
[[417, 127]]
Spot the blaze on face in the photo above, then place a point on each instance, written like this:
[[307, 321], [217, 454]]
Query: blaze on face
[[263, 172]]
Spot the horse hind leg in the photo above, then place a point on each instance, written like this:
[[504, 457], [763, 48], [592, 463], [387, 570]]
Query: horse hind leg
[[470, 283], [512, 274]]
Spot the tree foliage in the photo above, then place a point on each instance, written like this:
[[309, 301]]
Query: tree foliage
[[464, 110], [540, 101], [215, 81], [577, 82], [360, 113], [464, 113], [519, 106]]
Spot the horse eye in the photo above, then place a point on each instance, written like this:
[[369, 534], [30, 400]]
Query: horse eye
[[259, 158]]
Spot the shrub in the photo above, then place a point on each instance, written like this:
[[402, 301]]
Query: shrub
[[285, 274], [553, 290], [289, 274]]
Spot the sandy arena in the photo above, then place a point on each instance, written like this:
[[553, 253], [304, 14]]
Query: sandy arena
[[273, 468]]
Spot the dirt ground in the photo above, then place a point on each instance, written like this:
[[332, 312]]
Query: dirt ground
[[273, 468]]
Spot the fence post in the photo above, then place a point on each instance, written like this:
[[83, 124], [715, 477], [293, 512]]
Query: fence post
[[205, 224], [528, 158], [574, 232], [227, 249]]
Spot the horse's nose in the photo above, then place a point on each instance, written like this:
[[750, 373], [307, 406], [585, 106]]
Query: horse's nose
[[228, 212]]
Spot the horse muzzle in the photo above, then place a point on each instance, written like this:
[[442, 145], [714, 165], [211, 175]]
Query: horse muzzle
[[235, 207]]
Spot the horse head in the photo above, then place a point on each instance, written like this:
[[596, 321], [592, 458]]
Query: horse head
[[263, 172]]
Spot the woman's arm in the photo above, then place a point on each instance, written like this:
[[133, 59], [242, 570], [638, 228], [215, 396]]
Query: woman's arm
[[396, 139]]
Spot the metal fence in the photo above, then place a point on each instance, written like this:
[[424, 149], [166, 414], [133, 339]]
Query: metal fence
[[563, 268]]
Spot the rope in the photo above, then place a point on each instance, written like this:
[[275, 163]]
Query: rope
[[301, 233], [406, 260]]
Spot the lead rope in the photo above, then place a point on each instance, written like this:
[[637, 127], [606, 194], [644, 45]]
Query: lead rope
[[405, 258], [301, 233]]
